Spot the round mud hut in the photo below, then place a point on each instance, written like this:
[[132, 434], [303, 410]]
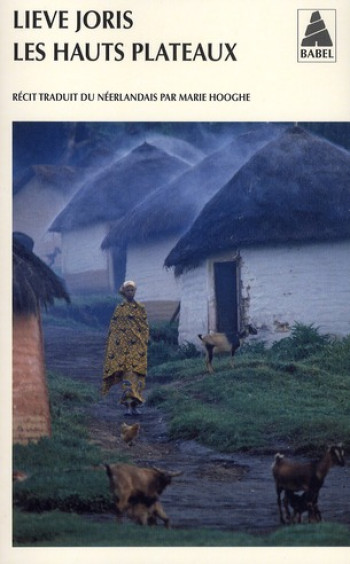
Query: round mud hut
[[101, 201], [272, 246], [39, 194], [34, 285], [151, 229]]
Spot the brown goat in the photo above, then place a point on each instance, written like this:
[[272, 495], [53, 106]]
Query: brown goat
[[308, 476], [136, 491], [217, 343], [144, 515]]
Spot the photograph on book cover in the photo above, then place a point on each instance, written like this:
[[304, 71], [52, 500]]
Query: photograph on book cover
[[177, 236], [236, 236]]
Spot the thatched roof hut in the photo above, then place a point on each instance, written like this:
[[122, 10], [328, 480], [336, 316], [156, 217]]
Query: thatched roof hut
[[176, 147], [40, 192], [172, 209], [60, 177], [296, 188], [270, 244], [120, 186], [34, 285]]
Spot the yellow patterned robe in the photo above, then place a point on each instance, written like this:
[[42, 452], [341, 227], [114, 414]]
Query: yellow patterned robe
[[126, 353]]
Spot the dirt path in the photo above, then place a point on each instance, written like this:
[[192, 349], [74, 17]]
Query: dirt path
[[227, 492]]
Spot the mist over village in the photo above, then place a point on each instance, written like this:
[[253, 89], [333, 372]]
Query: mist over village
[[235, 238]]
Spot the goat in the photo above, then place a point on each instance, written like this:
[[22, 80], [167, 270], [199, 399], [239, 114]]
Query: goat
[[217, 343], [129, 432], [136, 491], [147, 515], [300, 503], [308, 476]]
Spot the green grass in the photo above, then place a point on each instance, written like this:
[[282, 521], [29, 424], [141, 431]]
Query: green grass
[[56, 529], [64, 470], [297, 397], [295, 394]]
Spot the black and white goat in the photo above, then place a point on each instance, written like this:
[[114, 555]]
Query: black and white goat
[[302, 503], [217, 343]]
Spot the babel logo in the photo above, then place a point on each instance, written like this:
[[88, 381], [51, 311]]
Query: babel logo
[[316, 36]]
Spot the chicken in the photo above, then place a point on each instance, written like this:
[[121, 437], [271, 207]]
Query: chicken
[[129, 432]]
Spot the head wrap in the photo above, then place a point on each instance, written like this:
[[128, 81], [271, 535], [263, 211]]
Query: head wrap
[[125, 284]]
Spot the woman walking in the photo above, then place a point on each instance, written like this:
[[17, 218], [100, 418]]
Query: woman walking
[[126, 353]]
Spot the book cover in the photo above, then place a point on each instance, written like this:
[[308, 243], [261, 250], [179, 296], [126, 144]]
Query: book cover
[[201, 149]]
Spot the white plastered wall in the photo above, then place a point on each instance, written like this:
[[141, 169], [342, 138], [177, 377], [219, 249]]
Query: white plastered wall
[[82, 249], [194, 310], [144, 264], [308, 283], [85, 265]]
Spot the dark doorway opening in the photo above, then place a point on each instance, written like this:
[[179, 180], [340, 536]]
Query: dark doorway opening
[[119, 266], [226, 294]]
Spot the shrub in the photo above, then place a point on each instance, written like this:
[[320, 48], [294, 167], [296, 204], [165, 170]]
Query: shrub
[[163, 346], [336, 356], [160, 352], [164, 333], [188, 350], [303, 342]]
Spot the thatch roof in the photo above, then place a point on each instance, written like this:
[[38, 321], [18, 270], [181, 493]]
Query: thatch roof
[[34, 283], [176, 146], [173, 208], [106, 153], [120, 186], [60, 177], [296, 188]]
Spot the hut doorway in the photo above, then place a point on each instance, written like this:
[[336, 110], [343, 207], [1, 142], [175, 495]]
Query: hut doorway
[[119, 266], [226, 296]]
